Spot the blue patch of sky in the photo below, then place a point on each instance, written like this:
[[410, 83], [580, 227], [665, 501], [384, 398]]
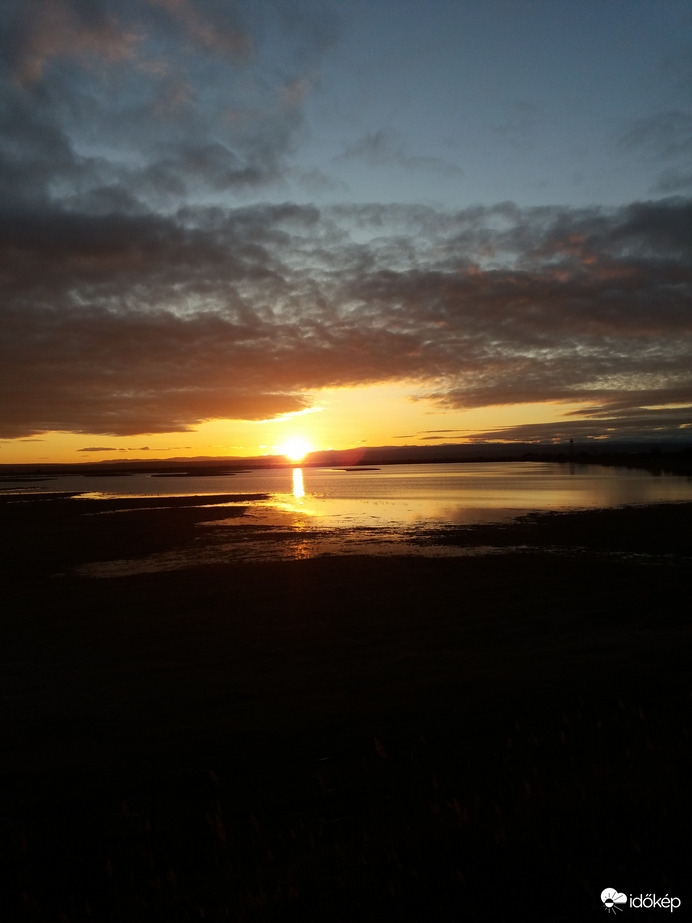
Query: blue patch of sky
[[520, 100]]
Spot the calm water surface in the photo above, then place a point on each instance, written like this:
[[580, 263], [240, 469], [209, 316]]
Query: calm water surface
[[312, 511], [406, 494], [462, 493]]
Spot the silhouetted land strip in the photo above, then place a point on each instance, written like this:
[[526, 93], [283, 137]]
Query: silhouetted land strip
[[671, 458], [344, 738], [658, 529], [53, 532]]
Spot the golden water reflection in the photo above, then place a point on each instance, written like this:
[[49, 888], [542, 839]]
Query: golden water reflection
[[454, 494], [306, 512]]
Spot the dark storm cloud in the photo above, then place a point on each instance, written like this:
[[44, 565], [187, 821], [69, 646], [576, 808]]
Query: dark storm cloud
[[130, 304]]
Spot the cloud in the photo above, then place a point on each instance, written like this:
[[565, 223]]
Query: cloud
[[86, 31], [145, 292], [161, 101], [386, 148], [125, 324], [665, 139], [316, 182], [214, 29], [456, 434], [666, 134], [673, 180], [669, 425]]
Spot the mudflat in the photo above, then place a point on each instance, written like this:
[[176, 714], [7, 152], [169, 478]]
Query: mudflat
[[343, 737]]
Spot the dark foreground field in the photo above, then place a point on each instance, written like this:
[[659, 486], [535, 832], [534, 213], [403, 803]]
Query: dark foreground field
[[346, 738]]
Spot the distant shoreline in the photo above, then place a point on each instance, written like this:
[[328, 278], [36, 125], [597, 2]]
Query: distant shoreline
[[671, 459]]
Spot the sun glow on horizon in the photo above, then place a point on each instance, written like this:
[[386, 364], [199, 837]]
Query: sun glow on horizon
[[352, 418], [296, 448]]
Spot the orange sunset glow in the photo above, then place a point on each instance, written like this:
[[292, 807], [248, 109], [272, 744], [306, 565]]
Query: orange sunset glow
[[296, 448], [345, 460], [230, 253]]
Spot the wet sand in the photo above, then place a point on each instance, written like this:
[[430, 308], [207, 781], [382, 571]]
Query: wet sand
[[344, 738]]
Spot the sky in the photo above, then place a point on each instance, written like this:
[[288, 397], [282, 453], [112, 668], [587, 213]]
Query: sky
[[226, 225]]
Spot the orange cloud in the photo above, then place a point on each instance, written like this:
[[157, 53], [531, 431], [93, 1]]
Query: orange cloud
[[65, 30]]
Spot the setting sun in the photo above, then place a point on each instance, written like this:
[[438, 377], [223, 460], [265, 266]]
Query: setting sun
[[296, 448]]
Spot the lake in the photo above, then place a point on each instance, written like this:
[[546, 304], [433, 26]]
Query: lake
[[397, 495], [310, 511]]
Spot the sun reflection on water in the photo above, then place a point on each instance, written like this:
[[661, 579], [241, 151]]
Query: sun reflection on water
[[298, 486], [300, 550]]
